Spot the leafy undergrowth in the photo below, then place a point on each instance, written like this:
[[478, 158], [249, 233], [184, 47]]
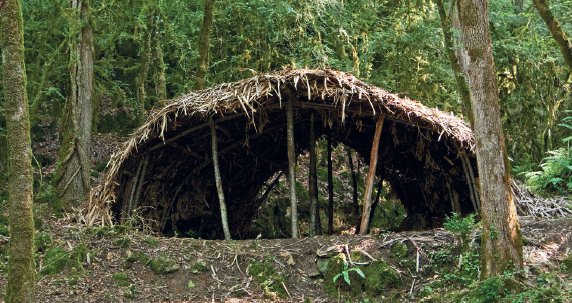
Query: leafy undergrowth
[[113, 264]]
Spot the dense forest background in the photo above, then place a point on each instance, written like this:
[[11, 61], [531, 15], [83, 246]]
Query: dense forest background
[[397, 45]]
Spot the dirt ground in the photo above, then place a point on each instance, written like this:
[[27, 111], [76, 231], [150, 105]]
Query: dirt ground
[[226, 278]]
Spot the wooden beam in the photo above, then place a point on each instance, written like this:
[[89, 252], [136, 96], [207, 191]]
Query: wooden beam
[[223, 213], [292, 168], [371, 175]]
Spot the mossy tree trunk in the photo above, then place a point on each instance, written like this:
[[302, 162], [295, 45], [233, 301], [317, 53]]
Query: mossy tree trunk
[[313, 181], [501, 244], [556, 31], [292, 167], [202, 59], [21, 266], [161, 82], [73, 175], [330, 187], [449, 46], [364, 228], [142, 77]]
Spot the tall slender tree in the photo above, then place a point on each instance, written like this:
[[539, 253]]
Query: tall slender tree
[[202, 59], [556, 31], [292, 167], [73, 175], [21, 252], [501, 244]]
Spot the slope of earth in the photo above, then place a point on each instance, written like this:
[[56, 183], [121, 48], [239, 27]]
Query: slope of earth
[[121, 264]]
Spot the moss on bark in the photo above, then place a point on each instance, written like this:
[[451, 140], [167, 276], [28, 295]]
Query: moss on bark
[[21, 263]]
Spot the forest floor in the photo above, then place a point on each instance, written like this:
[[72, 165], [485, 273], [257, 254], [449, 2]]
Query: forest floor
[[122, 264]]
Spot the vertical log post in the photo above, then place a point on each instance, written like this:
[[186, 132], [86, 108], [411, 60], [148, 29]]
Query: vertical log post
[[354, 184], [312, 180], [469, 183], [140, 186], [473, 181], [371, 175], [330, 187], [292, 167], [376, 203], [223, 214]]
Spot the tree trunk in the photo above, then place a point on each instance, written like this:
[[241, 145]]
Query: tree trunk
[[355, 189], [312, 180], [21, 266], [292, 168], [556, 31], [161, 82], [73, 176], [202, 59], [330, 187], [223, 213], [142, 78], [501, 245], [364, 228], [449, 46]]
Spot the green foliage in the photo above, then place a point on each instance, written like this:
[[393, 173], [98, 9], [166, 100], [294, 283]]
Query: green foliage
[[163, 265], [51, 198], [462, 227], [268, 278], [79, 253], [42, 242], [467, 269], [152, 242], [199, 267], [489, 291], [346, 273], [398, 251], [55, 260], [123, 242], [121, 279], [379, 276]]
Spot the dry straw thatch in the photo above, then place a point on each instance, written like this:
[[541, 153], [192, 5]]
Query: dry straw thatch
[[338, 98]]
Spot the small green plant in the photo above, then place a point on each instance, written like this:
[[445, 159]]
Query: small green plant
[[152, 242], [123, 242], [121, 279], [460, 226], [131, 294], [190, 284], [346, 275]]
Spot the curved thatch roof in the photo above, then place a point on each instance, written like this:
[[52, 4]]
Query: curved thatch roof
[[422, 145]]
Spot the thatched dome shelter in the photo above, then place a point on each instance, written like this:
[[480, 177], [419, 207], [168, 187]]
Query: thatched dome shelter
[[165, 170]]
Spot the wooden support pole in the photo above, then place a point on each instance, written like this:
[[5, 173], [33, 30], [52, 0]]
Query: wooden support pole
[[292, 167], [312, 180], [473, 181], [330, 187], [376, 203], [223, 213], [469, 183], [370, 176], [140, 186], [127, 211], [354, 184]]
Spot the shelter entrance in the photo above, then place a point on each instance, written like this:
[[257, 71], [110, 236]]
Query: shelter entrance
[[165, 173]]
